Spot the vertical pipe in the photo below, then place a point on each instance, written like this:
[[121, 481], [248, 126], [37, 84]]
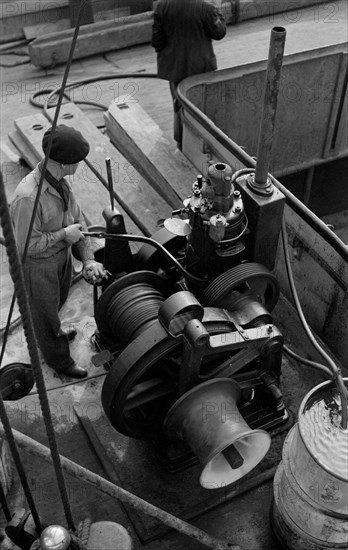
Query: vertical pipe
[[110, 182], [274, 65]]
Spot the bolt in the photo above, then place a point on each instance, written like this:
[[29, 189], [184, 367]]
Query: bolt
[[269, 328], [268, 190], [236, 193], [238, 208]]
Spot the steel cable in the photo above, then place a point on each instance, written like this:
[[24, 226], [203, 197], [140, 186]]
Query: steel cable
[[132, 308], [16, 273], [23, 304], [20, 293], [3, 503]]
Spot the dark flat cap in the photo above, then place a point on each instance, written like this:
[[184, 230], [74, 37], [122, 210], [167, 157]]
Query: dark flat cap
[[68, 145]]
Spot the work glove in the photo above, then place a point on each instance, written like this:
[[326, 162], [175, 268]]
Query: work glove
[[73, 233], [93, 272]]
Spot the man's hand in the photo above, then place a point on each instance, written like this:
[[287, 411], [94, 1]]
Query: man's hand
[[73, 233], [93, 272]]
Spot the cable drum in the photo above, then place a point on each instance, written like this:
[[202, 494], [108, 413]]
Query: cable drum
[[130, 305], [133, 310]]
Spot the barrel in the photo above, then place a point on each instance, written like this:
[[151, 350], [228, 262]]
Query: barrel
[[310, 505]]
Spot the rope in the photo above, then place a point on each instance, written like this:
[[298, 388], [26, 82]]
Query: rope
[[15, 269], [23, 303], [76, 543], [18, 279], [84, 529], [4, 504]]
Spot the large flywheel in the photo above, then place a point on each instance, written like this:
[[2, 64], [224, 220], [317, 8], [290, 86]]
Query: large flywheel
[[143, 381]]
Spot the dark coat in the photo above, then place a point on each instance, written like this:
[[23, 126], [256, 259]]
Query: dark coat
[[182, 36]]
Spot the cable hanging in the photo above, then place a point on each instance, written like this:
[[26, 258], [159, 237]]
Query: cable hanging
[[23, 303]]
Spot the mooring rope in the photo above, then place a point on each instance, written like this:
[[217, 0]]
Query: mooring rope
[[20, 293], [9, 242], [23, 304]]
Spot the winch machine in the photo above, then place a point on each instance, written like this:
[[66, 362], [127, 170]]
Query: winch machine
[[184, 325]]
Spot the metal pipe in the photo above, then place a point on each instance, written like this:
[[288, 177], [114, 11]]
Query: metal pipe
[[152, 242], [35, 448], [110, 182], [274, 65]]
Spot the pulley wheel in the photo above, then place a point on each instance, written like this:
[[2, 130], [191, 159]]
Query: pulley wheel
[[16, 381], [249, 279], [102, 309], [151, 259], [142, 383]]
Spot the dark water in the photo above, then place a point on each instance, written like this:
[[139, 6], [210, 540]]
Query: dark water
[[329, 193]]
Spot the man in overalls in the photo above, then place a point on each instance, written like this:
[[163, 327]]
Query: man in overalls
[[58, 225]]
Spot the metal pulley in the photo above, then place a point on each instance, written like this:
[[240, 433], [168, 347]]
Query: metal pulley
[[249, 279], [16, 381]]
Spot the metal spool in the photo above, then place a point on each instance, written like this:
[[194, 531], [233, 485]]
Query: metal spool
[[249, 279], [310, 507], [208, 420], [16, 381], [130, 305]]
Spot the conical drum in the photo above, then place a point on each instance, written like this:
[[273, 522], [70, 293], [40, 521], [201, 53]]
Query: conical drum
[[310, 507], [208, 420]]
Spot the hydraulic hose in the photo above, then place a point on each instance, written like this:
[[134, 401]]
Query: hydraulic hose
[[75, 84], [334, 370], [306, 361], [155, 244]]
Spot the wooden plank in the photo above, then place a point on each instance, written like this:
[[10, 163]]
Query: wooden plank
[[29, 155], [118, 21], [133, 194], [252, 9], [41, 29], [115, 14], [93, 39], [13, 17], [102, 455], [13, 171], [29, 145], [142, 142]]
